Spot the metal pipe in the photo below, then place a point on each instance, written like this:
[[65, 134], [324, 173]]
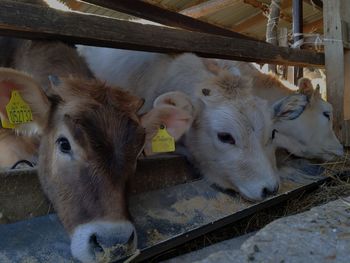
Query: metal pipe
[[297, 31]]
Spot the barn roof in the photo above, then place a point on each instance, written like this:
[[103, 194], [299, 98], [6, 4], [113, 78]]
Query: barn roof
[[244, 16]]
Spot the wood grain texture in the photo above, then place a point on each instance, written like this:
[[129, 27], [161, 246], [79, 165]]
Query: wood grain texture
[[34, 22], [337, 65], [165, 17], [207, 8]]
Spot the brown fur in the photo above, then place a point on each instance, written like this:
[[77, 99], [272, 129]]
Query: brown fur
[[89, 182], [103, 126], [269, 81], [39, 59], [16, 148]]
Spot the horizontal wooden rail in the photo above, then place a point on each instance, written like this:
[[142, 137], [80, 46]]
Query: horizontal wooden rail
[[36, 22], [164, 16]]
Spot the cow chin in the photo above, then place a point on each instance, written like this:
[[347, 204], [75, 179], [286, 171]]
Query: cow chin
[[103, 241]]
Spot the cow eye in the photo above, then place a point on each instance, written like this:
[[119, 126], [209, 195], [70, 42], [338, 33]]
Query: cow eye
[[63, 145], [327, 114], [273, 134], [226, 138]]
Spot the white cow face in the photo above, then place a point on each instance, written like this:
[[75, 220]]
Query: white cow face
[[230, 138], [304, 124]]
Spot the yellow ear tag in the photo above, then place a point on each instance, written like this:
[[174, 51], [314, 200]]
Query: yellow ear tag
[[6, 124], [18, 111], [163, 141]]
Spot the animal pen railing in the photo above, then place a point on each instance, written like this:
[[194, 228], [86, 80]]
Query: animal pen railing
[[36, 22]]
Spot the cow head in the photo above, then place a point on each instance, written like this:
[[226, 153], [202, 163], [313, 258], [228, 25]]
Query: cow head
[[230, 138], [304, 124], [90, 140], [303, 121]]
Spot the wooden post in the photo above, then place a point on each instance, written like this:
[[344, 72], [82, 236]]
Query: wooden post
[[283, 42], [272, 26], [336, 16], [297, 29]]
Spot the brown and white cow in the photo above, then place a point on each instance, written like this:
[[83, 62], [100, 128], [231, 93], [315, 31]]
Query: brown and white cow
[[40, 59], [310, 132], [230, 138], [90, 138]]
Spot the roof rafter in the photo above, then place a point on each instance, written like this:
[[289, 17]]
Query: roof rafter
[[265, 8], [206, 8]]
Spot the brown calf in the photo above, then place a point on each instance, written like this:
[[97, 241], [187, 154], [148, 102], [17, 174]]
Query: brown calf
[[40, 59], [90, 140]]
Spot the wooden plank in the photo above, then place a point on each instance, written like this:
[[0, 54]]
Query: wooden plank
[[265, 8], [207, 8], [316, 3], [165, 17], [272, 26], [338, 65], [313, 26], [283, 42], [34, 22], [21, 196], [260, 17], [249, 22]]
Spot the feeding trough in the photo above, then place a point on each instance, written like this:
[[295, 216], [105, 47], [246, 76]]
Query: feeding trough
[[182, 207], [169, 202]]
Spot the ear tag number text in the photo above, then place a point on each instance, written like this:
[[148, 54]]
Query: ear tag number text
[[18, 111], [163, 141]]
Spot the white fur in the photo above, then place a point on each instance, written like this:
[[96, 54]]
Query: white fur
[[310, 135], [248, 166], [80, 246]]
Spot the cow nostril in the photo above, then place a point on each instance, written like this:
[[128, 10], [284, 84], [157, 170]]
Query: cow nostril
[[96, 246], [115, 245], [268, 192]]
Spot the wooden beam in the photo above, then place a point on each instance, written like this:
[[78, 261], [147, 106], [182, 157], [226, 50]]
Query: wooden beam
[[316, 3], [271, 28], [207, 8], [36, 22], [336, 13], [260, 17], [248, 23], [163, 16], [313, 26], [265, 8]]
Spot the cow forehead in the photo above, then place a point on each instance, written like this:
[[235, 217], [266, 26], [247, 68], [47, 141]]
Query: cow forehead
[[324, 105], [85, 92], [244, 116], [105, 121]]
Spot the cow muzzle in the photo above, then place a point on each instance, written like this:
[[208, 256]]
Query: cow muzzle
[[103, 241]]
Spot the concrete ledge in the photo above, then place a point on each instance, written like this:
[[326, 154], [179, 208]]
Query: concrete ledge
[[319, 235]]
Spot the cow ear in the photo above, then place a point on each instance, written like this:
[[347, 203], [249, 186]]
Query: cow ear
[[305, 87], [30, 92], [290, 107], [174, 110], [212, 65]]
